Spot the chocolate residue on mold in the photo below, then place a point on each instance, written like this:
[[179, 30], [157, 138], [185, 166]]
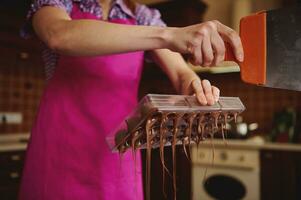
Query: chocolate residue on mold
[[172, 128]]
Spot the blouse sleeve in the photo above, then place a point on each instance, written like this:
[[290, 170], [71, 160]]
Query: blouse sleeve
[[27, 29], [148, 16]]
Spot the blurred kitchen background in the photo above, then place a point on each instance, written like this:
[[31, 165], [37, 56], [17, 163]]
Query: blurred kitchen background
[[261, 159]]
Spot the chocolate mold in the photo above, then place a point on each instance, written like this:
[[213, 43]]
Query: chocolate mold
[[160, 119], [170, 120]]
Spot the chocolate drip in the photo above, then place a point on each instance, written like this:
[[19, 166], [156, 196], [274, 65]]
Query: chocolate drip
[[173, 146], [212, 146], [235, 117], [223, 129], [163, 131], [171, 128], [163, 140], [201, 129], [188, 133], [149, 135]]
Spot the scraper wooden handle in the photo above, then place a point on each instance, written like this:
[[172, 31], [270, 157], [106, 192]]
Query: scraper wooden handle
[[253, 37]]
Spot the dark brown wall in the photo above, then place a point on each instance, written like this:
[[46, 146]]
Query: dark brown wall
[[21, 71], [22, 78]]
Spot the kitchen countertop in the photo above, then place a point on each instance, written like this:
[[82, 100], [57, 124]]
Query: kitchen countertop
[[13, 142], [18, 142], [251, 144]]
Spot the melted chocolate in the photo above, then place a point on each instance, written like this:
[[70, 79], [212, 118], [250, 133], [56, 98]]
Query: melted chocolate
[[163, 132], [170, 128]]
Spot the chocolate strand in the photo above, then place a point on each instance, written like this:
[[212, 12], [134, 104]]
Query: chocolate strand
[[174, 143], [163, 132], [212, 146], [185, 139], [148, 130], [186, 128], [188, 133], [162, 144]]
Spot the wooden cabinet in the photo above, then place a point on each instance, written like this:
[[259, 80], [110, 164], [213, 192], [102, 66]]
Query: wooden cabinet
[[11, 165], [280, 175]]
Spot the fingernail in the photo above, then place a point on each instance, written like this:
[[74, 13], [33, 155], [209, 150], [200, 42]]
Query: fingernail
[[212, 101], [196, 83], [216, 99], [202, 101], [240, 57]]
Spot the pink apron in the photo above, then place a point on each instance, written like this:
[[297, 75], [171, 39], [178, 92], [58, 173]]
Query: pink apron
[[87, 98]]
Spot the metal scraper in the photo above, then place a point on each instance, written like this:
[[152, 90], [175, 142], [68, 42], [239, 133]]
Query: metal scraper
[[272, 47]]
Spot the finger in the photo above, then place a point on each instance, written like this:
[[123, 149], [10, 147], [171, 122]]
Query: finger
[[208, 92], [198, 56], [216, 93], [198, 89], [192, 60], [219, 49], [230, 36], [195, 57], [207, 52]]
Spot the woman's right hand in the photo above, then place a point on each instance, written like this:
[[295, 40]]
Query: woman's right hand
[[205, 42]]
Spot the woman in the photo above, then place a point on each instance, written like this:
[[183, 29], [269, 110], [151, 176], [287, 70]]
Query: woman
[[93, 64]]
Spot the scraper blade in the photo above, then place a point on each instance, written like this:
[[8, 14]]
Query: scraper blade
[[272, 47]]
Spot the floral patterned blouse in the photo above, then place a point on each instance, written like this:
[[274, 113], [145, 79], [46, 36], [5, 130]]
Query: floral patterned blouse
[[119, 10]]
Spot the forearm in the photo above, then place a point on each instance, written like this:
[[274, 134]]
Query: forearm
[[91, 37], [174, 66], [95, 37]]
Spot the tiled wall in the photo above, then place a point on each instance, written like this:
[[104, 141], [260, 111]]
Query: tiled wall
[[22, 82], [21, 85], [21, 71]]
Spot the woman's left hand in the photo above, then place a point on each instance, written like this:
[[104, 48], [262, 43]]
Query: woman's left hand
[[190, 83]]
